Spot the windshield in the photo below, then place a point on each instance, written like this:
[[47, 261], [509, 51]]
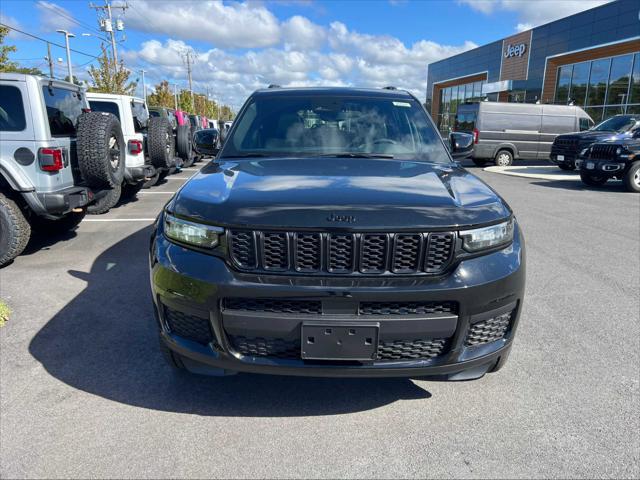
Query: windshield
[[620, 124], [322, 125]]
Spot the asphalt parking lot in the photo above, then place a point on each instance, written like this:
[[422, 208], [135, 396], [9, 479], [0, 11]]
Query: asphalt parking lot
[[84, 390]]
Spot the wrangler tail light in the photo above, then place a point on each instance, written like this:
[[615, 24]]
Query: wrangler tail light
[[135, 147], [50, 159], [476, 135]]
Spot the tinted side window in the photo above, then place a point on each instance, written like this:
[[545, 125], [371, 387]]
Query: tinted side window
[[140, 116], [108, 107], [11, 109], [63, 109]]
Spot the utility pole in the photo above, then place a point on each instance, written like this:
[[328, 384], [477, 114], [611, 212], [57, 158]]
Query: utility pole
[[106, 23], [144, 86], [50, 60], [188, 62], [175, 95], [66, 41]]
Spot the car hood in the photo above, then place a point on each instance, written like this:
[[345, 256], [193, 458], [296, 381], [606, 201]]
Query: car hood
[[589, 136], [366, 194]]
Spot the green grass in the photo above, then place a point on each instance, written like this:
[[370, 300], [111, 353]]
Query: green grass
[[4, 313]]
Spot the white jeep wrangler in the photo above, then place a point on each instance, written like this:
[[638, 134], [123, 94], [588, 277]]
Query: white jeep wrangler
[[56, 157], [134, 118]]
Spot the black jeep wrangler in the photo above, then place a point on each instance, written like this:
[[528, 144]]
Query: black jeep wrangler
[[567, 147], [618, 159], [334, 235]]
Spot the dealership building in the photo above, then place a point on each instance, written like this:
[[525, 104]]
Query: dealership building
[[591, 59]]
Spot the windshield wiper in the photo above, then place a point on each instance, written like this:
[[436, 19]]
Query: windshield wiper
[[354, 155]]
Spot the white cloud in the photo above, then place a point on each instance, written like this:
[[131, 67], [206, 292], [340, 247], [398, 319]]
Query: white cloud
[[533, 13], [53, 17], [292, 52], [230, 25]]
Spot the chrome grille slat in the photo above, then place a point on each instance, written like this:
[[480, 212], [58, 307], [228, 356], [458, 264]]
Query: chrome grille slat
[[342, 253]]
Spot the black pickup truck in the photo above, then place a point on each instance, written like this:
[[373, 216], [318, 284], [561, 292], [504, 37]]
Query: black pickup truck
[[567, 147], [618, 159], [334, 235]]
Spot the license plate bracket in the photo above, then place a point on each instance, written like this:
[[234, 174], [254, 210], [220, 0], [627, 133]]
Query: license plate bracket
[[339, 341]]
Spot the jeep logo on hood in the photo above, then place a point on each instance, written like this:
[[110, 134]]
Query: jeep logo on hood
[[341, 218], [514, 50]]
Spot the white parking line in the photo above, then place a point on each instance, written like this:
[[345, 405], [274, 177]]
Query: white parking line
[[158, 193], [119, 220], [177, 178]]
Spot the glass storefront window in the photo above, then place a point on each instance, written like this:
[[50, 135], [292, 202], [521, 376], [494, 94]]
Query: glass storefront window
[[595, 113], [598, 81], [579, 82], [619, 80], [563, 84], [634, 93]]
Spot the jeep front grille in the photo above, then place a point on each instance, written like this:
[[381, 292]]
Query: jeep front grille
[[342, 253], [603, 152], [391, 350]]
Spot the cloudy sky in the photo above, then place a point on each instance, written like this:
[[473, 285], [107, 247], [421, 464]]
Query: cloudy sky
[[240, 46]]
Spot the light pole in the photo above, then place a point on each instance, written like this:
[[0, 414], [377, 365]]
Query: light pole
[[175, 95], [67, 35], [144, 86]]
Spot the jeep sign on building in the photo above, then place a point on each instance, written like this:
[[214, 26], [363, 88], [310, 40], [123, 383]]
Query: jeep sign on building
[[591, 59]]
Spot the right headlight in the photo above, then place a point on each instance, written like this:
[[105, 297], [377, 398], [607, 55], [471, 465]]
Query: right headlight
[[487, 237], [196, 234]]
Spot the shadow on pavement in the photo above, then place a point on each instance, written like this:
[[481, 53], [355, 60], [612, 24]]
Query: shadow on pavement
[[611, 186], [42, 239], [105, 342]]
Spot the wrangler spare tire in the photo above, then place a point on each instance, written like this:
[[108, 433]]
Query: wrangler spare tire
[[184, 143], [160, 142], [101, 150]]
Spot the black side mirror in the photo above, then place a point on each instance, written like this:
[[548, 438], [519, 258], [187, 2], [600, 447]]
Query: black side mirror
[[460, 145], [206, 141]]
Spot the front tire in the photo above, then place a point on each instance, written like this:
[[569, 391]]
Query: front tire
[[592, 180], [480, 162], [105, 203], [565, 166], [631, 179], [129, 191], [504, 158], [15, 230], [172, 359]]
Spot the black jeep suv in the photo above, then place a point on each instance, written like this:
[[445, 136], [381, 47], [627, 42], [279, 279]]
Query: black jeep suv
[[618, 158], [567, 147], [333, 235]]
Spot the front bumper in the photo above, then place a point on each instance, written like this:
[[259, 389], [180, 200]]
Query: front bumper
[[561, 157], [608, 168], [194, 285]]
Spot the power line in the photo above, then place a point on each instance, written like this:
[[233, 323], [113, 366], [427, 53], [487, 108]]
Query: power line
[[44, 40], [59, 11]]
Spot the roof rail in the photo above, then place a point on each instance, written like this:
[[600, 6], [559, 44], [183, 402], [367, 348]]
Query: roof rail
[[273, 85], [389, 87]]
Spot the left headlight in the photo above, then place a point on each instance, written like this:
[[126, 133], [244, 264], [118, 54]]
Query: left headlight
[[197, 234], [487, 237]]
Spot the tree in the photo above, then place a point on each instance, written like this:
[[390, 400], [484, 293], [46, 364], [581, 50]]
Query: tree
[[184, 101], [162, 96], [75, 80], [109, 77], [7, 65]]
